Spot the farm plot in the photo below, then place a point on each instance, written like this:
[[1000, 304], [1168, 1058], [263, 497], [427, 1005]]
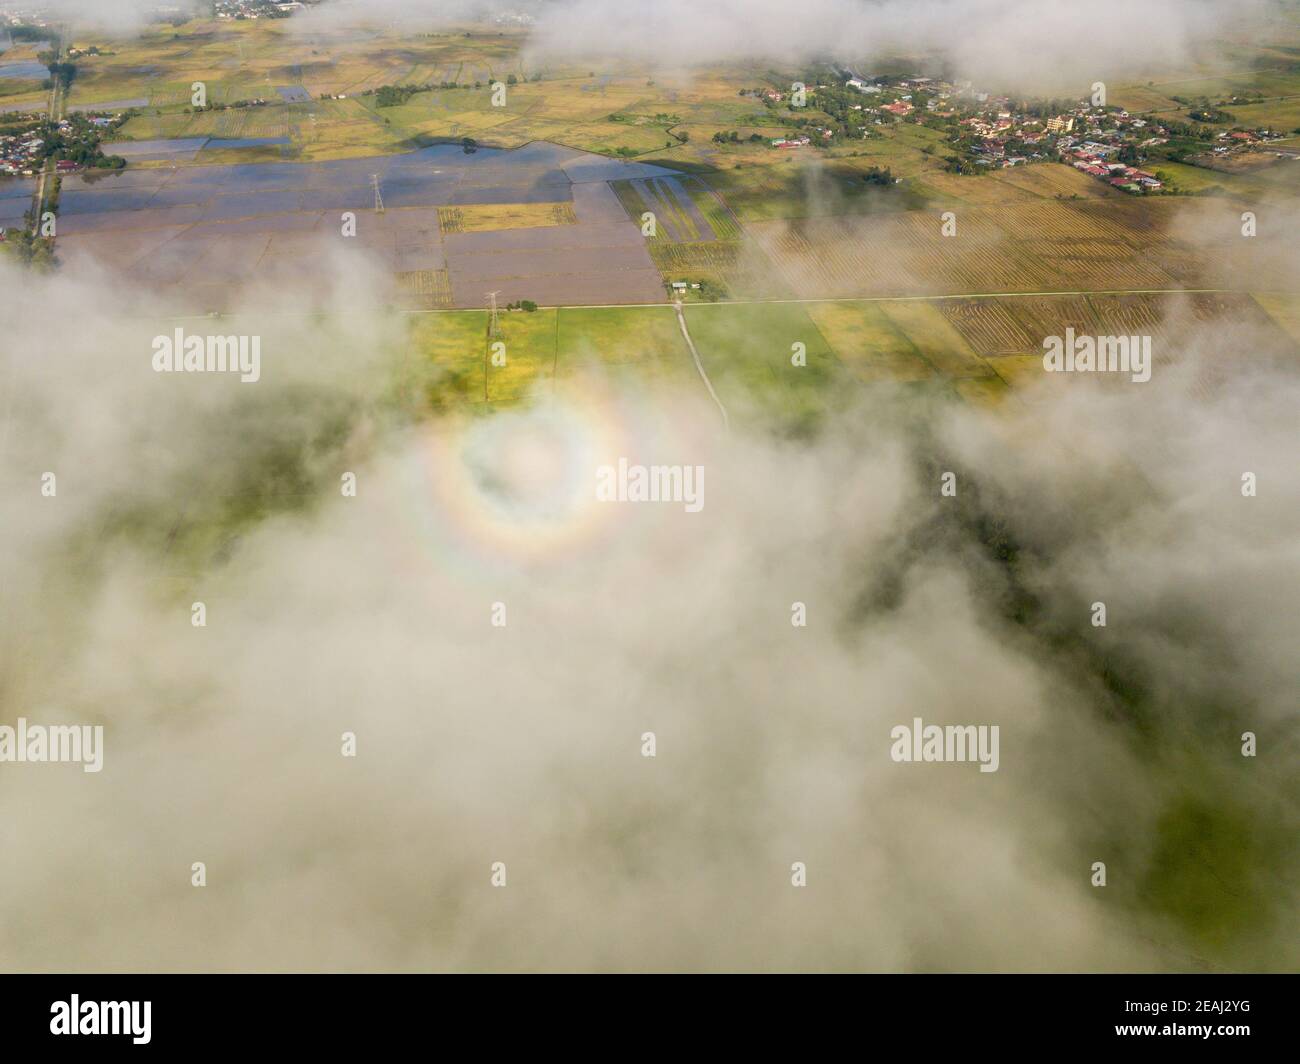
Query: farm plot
[[450, 360], [735, 268], [868, 343], [550, 251], [1044, 316], [1281, 113], [1053, 181], [1127, 315], [676, 217], [1140, 99], [630, 197], [725, 225], [612, 336], [946, 191], [748, 349], [1017, 186], [424, 289], [1285, 310], [637, 344], [893, 255], [530, 356], [1176, 322], [935, 340], [1045, 245], [445, 359], [777, 185], [487, 217], [1003, 327], [982, 391], [988, 326]]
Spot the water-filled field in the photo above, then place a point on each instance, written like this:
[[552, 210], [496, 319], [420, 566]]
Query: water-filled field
[[214, 229]]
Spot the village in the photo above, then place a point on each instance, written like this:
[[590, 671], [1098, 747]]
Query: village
[[253, 9], [28, 140], [994, 132], [22, 145]]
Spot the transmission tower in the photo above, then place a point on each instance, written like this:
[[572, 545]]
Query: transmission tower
[[379, 196], [493, 321]]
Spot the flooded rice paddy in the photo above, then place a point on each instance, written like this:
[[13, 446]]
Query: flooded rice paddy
[[207, 232]]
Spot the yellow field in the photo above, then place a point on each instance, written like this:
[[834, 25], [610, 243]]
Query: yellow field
[[1037, 245], [1285, 310], [935, 340], [483, 218], [868, 342]]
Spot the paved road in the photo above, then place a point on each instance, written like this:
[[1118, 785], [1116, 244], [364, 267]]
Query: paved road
[[886, 299], [837, 299], [699, 365]]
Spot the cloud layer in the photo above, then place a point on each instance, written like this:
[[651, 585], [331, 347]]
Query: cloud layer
[[522, 744], [1030, 44]]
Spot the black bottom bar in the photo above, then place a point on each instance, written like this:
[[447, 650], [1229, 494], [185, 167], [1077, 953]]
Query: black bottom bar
[[1221, 1013]]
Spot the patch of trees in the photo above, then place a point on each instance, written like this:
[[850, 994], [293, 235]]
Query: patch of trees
[[879, 175], [33, 251], [62, 73], [396, 95], [24, 31], [1045, 108], [227, 106], [1211, 114], [1187, 131], [959, 164]]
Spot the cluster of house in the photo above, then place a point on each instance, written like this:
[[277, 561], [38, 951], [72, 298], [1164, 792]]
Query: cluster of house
[[999, 136], [1091, 159], [22, 15], [22, 154], [1239, 140], [514, 18], [1082, 138], [898, 97], [240, 9], [1088, 136]]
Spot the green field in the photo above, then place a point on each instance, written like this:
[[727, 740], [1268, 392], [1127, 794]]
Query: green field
[[979, 350], [542, 351], [748, 350]]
